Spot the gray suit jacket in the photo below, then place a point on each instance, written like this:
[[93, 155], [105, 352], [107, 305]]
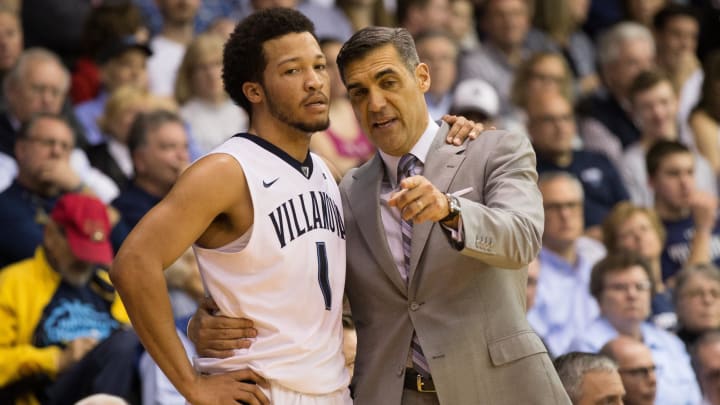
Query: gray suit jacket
[[468, 305]]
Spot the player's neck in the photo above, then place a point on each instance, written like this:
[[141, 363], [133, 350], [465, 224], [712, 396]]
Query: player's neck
[[290, 140]]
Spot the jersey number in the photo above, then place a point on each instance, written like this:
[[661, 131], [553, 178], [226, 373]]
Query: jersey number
[[323, 276]]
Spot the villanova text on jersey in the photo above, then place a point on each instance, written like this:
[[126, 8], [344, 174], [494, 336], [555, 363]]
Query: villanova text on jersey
[[304, 213]]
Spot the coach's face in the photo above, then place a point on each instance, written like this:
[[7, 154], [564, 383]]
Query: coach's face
[[388, 99], [295, 82]]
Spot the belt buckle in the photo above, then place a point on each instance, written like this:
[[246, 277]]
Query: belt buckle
[[421, 384]]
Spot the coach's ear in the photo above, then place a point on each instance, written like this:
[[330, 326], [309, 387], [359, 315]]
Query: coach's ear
[[253, 91]]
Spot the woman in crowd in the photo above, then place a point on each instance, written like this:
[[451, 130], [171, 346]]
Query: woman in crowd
[[112, 156], [633, 228], [541, 73], [561, 20], [204, 105]]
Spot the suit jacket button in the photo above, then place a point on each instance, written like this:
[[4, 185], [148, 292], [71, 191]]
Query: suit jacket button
[[414, 306]]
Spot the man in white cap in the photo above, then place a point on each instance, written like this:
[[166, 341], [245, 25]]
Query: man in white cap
[[477, 100]]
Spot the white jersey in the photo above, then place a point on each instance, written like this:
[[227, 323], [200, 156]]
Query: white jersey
[[287, 274]]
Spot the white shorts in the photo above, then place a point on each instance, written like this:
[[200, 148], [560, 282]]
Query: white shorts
[[280, 395]]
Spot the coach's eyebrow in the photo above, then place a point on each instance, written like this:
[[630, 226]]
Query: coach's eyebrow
[[379, 75]]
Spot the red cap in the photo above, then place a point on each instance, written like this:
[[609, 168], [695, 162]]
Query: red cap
[[87, 228]]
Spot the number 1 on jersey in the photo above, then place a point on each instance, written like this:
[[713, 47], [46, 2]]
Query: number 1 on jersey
[[323, 276]]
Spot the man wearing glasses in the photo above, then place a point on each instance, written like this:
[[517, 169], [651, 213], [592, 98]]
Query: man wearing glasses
[[622, 286], [44, 172], [636, 367]]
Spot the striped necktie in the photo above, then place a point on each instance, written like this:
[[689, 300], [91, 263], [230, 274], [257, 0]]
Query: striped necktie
[[406, 168]]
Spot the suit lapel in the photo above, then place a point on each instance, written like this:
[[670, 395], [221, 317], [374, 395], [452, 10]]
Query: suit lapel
[[365, 203], [441, 165]]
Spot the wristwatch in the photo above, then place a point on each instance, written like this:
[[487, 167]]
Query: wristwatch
[[453, 207]]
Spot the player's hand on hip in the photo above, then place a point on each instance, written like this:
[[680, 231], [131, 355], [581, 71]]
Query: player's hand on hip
[[218, 336], [461, 129], [419, 200], [242, 386]]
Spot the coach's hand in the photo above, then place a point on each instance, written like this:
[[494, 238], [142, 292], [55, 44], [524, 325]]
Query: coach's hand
[[461, 128], [419, 200], [242, 386], [217, 336]]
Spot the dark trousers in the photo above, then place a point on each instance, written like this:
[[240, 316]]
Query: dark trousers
[[109, 368]]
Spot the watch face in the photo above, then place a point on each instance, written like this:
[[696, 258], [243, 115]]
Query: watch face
[[454, 205]]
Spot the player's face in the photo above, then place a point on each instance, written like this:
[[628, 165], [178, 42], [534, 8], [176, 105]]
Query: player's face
[[296, 83], [388, 99]]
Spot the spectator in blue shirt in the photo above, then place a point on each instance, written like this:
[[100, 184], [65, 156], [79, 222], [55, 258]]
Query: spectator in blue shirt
[[621, 283]]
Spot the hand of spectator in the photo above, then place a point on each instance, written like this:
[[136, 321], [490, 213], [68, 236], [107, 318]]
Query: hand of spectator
[[704, 210], [461, 128], [419, 200], [75, 351], [218, 336], [60, 173], [242, 386]]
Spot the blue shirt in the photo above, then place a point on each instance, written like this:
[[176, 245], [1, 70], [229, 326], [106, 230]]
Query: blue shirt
[[563, 304], [133, 203], [677, 245], [21, 221], [676, 383], [602, 184]]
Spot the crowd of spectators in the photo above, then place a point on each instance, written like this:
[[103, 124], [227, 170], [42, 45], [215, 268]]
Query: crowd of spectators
[[105, 103]]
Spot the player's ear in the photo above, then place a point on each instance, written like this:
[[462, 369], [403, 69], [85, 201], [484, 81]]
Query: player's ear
[[253, 91]]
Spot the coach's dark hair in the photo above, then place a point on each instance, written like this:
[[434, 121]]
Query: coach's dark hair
[[243, 56], [659, 151], [371, 38], [145, 123]]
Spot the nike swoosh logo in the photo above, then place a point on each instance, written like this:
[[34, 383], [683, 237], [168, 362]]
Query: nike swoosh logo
[[267, 184]]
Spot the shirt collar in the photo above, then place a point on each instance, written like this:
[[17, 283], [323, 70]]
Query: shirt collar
[[420, 150]]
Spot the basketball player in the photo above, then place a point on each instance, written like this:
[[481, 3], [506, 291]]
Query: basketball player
[[265, 218], [266, 222]]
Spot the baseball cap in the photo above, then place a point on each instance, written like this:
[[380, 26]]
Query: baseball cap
[[117, 46], [476, 95], [87, 228]]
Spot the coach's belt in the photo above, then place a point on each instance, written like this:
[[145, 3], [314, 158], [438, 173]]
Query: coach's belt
[[416, 382]]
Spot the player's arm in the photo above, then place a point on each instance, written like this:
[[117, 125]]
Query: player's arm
[[461, 129], [182, 217]]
